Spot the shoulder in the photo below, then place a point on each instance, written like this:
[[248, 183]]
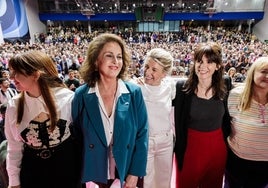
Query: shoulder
[[181, 95], [62, 93], [237, 90], [132, 86], [132, 90], [180, 83], [82, 89], [12, 106], [170, 84], [169, 81], [235, 93], [62, 90]]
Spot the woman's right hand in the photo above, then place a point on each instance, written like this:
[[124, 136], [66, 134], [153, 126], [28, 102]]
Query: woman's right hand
[[140, 80]]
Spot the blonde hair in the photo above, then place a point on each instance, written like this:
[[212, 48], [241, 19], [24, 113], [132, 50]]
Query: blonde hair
[[162, 57], [247, 94], [229, 71]]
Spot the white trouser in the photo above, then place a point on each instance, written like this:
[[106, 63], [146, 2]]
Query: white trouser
[[160, 161]]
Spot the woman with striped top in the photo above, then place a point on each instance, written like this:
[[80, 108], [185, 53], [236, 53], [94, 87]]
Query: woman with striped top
[[247, 163]]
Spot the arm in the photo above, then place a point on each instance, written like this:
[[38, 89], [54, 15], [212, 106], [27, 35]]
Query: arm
[[139, 157], [14, 148]]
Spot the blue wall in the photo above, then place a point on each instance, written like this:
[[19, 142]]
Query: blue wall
[[216, 16], [167, 16]]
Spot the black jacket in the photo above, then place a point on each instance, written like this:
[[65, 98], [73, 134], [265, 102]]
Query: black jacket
[[182, 107]]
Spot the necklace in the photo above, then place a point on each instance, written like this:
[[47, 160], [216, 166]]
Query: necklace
[[262, 112]]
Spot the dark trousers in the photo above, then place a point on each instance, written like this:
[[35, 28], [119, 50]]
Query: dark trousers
[[241, 173]]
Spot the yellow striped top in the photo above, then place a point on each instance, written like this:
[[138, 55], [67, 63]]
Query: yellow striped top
[[249, 137]]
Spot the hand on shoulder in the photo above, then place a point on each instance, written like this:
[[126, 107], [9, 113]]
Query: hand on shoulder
[[140, 81]]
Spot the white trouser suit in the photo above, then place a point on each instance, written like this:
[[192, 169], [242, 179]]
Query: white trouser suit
[[160, 154]]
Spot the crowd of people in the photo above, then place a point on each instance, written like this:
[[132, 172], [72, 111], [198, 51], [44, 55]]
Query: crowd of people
[[68, 46], [119, 105]]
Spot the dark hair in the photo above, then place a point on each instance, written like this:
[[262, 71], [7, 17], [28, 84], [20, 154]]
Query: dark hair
[[2, 80], [213, 52], [4, 71]]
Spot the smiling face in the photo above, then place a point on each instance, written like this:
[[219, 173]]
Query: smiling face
[[153, 73], [261, 78], [110, 60], [204, 69]]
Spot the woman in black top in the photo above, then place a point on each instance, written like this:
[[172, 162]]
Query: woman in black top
[[200, 114]]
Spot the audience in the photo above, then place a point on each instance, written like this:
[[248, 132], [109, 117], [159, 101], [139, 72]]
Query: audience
[[72, 82], [6, 92], [240, 49]]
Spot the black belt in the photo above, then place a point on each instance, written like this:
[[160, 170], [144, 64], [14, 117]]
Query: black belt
[[45, 153]]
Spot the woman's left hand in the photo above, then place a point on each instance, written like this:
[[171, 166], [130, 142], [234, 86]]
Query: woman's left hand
[[131, 181]]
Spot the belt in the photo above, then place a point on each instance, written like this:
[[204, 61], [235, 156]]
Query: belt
[[44, 153]]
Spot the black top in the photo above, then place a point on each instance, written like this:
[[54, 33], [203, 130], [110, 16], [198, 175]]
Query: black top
[[206, 114]]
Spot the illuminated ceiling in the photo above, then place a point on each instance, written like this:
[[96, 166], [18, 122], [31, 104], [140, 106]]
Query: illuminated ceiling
[[115, 6]]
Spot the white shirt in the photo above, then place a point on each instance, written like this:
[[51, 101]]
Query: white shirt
[[32, 108], [108, 122], [158, 100]]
